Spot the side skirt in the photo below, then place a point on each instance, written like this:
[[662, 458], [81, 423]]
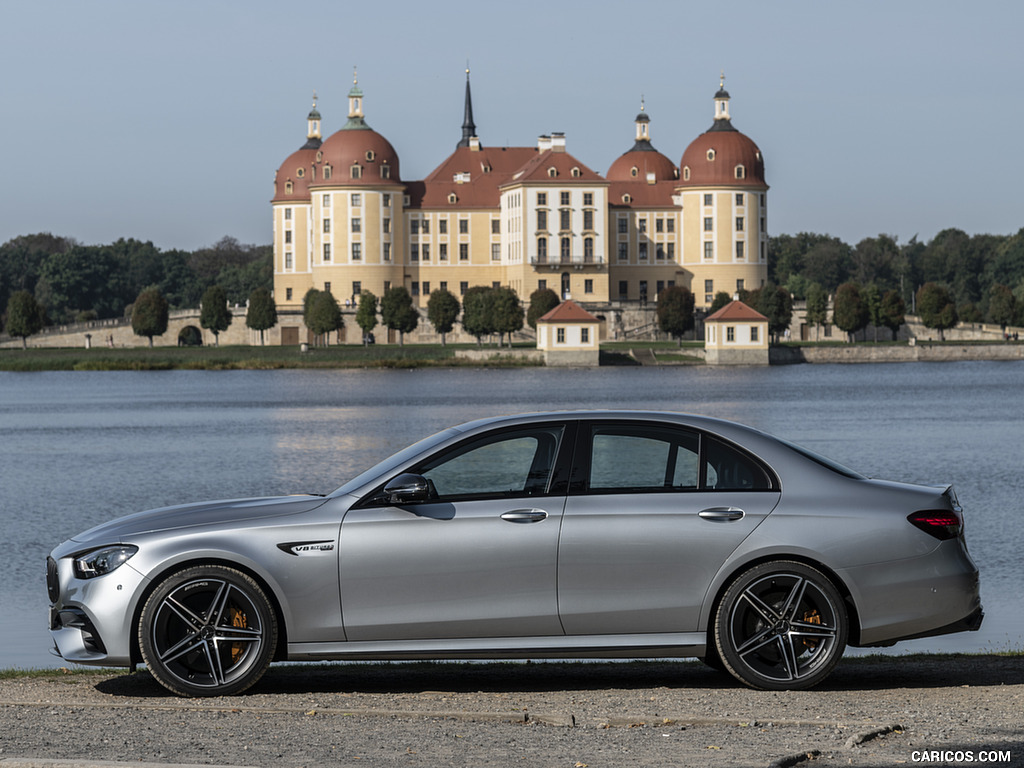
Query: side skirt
[[662, 645]]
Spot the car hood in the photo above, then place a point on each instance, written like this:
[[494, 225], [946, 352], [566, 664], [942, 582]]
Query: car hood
[[203, 513]]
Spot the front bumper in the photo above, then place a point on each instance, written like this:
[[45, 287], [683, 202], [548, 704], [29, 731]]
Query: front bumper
[[91, 619]]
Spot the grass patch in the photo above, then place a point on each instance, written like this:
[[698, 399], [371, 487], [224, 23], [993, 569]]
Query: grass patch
[[243, 358]]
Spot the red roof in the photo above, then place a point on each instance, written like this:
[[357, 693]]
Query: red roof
[[713, 157], [481, 171], [568, 312], [735, 310]]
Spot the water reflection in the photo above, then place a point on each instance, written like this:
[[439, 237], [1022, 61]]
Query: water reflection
[[80, 448]]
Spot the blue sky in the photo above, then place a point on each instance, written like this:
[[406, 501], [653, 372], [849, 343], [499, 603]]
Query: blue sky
[[166, 121]]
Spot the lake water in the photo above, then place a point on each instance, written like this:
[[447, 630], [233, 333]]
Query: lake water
[[80, 448]]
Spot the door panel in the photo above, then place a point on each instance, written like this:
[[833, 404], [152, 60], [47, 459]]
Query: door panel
[[476, 560], [643, 562], [448, 570]]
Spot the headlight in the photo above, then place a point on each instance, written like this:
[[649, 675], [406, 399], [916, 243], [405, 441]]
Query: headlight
[[101, 561]]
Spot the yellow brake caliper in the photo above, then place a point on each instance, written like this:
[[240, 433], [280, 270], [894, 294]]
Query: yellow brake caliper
[[239, 621], [811, 617]]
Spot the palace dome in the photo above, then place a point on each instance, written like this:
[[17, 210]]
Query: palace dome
[[722, 156]]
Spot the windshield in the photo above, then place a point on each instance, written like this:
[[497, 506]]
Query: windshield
[[393, 462]]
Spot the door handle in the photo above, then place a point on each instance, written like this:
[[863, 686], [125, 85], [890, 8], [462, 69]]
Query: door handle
[[721, 514], [525, 516]]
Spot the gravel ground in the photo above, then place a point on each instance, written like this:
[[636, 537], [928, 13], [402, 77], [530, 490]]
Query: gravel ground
[[878, 712]]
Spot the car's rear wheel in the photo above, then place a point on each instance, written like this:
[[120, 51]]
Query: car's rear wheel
[[781, 626], [207, 630]]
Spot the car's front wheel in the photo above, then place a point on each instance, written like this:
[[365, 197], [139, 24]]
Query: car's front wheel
[[781, 626], [207, 630]]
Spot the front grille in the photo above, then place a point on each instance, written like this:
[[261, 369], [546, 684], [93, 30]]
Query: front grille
[[52, 580]]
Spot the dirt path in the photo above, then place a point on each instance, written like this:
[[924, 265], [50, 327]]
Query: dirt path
[[969, 709]]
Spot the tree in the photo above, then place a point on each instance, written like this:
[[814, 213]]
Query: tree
[[214, 314], [366, 315], [721, 299], [476, 312], [442, 311], [542, 301], [775, 303], [150, 314], [24, 316], [323, 315], [817, 307], [873, 302], [936, 308], [893, 311], [1002, 305], [850, 312], [506, 312], [262, 313], [675, 311], [398, 313]]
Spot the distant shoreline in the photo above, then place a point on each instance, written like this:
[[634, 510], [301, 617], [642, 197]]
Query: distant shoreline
[[469, 355]]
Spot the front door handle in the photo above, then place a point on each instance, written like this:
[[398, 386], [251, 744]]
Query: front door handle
[[525, 516], [721, 514]]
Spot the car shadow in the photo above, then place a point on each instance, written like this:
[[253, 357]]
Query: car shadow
[[857, 674]]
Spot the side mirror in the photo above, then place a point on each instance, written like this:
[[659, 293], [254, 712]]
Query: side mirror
[[406, 488]]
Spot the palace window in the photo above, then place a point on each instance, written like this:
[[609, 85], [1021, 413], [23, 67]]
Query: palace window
[[327, 251], [739, 249], [623, 251], [287, 214], [357, 200], [414, 226], [495, 226], [670, 225], [327, 201], [356, 171], [588, 198], [495, 251], [709, 250], [542, 249], [442, 251], [357, 225], [564, 197], [425, 252], [659, 225], [588, 249], [442, 226], [741, 172], [463, 226], [739, 223], [730, 333], [542, 220], [709, 200], [288, 261], [386, 200], [387, 252], [463, 251], [542, 198], [566, 248], [357, 251], [739, 198], [327, 226], [588, 220], [386, 226], [463, 287], [414, 252], [709, 224], [588, 285], [565, 219], [623, 225], [287, 235], [385, 171]]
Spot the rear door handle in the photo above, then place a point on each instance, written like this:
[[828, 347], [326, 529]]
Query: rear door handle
[[525, 516], [721, 514]]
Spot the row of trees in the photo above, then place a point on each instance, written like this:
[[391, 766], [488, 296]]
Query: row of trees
[[75, 282], [150, 313], [486, 311], [975, 270]]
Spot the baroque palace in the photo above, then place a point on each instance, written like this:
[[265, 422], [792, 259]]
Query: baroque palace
[[532, 217]]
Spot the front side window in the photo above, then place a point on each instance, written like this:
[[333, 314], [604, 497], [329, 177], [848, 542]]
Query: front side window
[[510, 464]]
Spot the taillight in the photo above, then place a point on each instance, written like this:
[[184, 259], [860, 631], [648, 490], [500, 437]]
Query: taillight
[[941, 523]]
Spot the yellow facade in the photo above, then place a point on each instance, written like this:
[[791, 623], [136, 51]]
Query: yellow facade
[[542, 220]]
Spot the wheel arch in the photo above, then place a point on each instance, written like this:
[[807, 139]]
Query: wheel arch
[[280, 652], [738, 569]]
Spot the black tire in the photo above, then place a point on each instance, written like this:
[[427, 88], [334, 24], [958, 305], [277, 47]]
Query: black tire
[[207, 630], [781, 626]]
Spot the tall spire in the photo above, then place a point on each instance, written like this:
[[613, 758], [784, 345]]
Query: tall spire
[[468, 126]]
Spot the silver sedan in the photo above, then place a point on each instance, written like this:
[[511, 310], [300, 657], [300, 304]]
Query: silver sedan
[[572, 535]]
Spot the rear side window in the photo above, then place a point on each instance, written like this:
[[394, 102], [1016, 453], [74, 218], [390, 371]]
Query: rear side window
[[726, 469], [635, 458]]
